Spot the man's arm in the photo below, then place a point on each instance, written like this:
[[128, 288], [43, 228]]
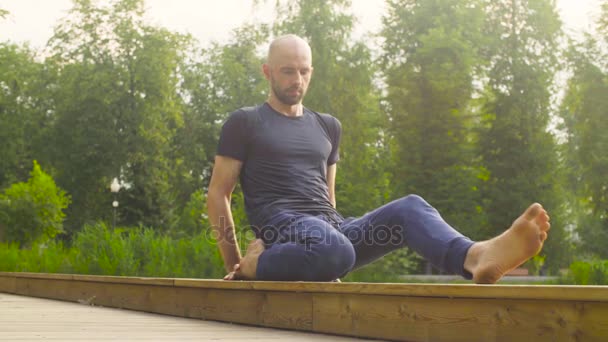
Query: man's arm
[[223, 180], [331, 183]]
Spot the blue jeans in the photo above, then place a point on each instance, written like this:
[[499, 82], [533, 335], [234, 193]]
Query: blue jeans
[[311, 248]]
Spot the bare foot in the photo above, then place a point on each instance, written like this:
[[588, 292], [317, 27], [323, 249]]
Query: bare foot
[[248, 266], [489, 260]]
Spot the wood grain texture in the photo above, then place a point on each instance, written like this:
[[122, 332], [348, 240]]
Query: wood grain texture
[[550, 292], [412, 312], [34, 319], [8, 284], [288, 310], [460, 319]]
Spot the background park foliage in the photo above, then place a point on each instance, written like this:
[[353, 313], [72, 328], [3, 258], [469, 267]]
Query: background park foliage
[[457, 101]]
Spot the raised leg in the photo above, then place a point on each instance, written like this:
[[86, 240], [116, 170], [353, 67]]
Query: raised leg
[[409, 221]]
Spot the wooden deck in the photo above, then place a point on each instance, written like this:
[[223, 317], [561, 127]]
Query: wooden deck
[[405, 312], [34, 319]]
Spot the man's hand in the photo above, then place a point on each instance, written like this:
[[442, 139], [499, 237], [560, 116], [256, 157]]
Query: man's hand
[[237, 274], [233, 275], [246, 269]]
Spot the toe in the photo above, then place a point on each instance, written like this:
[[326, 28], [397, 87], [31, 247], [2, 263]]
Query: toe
[[542, 218], [533, 211]]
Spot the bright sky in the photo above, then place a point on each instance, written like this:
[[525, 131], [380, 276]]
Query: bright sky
[[213, 20]]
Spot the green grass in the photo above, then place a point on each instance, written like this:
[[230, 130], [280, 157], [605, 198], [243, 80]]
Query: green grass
[[122, 252]]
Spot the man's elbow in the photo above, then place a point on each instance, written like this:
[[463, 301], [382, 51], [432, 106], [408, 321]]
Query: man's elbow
[[216, 198]]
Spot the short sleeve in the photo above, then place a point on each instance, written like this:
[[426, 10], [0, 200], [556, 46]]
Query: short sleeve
[[234, 137], [336, 135]]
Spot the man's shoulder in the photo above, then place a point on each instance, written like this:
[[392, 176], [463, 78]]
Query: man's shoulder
[[245, 115], [328, 119], [243, 111], [325, 116]]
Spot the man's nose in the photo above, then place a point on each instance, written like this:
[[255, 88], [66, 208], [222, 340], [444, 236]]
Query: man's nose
[[298, 79]]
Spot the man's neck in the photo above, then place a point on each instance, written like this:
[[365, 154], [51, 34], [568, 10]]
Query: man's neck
[[287, 110]]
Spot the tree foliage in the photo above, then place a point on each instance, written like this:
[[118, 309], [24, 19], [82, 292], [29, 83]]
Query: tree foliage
[[585, 121], [429, 58], [119, 111], [32, 211], [516, 145], [24, 109]]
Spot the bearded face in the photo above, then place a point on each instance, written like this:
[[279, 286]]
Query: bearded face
[[290, 94]]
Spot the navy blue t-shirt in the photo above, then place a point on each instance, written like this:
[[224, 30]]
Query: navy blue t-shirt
[[285, 160]]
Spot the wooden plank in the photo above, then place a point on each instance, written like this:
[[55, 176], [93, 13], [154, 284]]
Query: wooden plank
[[125, 280], [416, 312], [25, 318], [233, 306], [8, 284], [40, 275], [190, 302], [45, 288], [150, 298], [287, 310], [459, 319], [549, 292]]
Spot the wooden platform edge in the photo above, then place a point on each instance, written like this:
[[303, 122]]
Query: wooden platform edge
[[412, 312]]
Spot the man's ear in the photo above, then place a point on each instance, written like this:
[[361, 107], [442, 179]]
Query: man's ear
[[266, 71]]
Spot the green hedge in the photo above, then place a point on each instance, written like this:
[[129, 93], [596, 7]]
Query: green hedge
[[594, 272], [100, 250]]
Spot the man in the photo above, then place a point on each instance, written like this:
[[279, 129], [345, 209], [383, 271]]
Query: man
[[285, 156]]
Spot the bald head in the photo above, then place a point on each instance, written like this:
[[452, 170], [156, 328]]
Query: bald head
[[288, 69], [288, 48]]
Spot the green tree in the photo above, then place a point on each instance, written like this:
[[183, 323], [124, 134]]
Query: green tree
[[24, 108], [32, 211], [118, 112], [517, 148], [429, 58], [584, 113]]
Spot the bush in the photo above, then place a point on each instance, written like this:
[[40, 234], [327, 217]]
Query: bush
[[9, 257], [593, 272], [99, 250], [33, 211], [135, 251], [50, 257], [143, 252], [192, 220]]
